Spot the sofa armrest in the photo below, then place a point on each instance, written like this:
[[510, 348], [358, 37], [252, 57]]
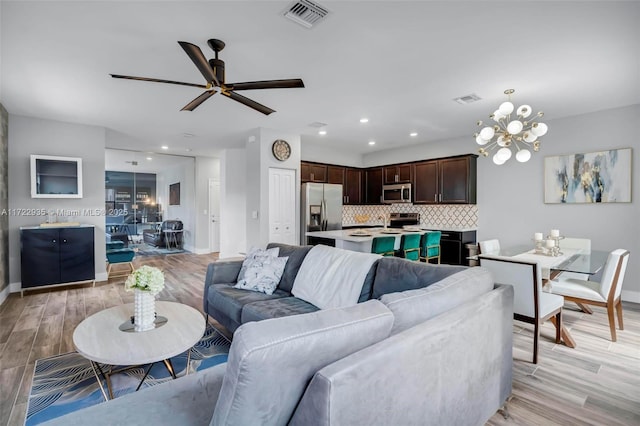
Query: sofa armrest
[[218, 272], [455, 368], [187, 400]]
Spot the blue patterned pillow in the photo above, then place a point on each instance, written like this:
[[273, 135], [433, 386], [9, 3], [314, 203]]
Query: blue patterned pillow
[[262, 270]]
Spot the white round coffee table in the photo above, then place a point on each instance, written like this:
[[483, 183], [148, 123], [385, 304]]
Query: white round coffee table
[[100, 339]]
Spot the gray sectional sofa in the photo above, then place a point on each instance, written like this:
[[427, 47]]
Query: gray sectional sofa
[[439, 354], [233, 307]]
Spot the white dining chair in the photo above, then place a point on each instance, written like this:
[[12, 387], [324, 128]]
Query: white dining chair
[[530, 303], [489, 247], [582, 244], [605, 293]]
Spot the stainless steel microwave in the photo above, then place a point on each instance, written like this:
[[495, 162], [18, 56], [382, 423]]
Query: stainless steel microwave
[[397, 193]]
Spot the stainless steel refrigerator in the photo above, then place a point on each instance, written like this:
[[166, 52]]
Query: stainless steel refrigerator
[[321, 208]]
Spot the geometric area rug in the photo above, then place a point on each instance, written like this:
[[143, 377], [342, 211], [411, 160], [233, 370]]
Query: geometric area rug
[[66, 383]]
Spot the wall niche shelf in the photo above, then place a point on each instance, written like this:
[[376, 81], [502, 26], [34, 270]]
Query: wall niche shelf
[[56, 177]]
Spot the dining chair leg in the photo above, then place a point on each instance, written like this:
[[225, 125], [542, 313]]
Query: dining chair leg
[[536, 335], [558, 324], [584, 308], [619, 310], [612, 321]]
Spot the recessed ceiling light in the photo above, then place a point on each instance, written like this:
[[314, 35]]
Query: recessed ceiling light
[[188, 150], [164, 147], [364, 120], [413, 134], [372, 142], [322, 132], [149, 158]]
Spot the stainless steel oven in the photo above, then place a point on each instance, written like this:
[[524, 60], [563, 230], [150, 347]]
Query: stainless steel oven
[[397, 193]]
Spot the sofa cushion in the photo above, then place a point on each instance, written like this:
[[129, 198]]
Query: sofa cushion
[[332, 277], [272, 361], [296, 255], [276, 308], [229, 300], [395, 274], [263, 274], [255, 258], [412, 307]]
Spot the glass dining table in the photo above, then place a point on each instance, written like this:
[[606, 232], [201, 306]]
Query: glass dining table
[[569, 260]]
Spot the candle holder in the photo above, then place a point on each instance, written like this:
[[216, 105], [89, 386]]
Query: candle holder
[[555, 250], [538, 246]]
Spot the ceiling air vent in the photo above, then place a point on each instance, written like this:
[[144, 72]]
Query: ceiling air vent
[[317, 124], [306, 13], [463, 100]]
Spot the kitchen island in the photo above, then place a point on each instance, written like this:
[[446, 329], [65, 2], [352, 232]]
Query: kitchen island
[[452, 243]]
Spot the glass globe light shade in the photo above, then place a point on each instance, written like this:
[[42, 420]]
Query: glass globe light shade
[[514, 127], [481, 141], [539, 129], [529, 137], [501, 140], [487, 133], [497, 116], [506, 108], [498, 160], [504, 153], [523, 155], [524, 111]]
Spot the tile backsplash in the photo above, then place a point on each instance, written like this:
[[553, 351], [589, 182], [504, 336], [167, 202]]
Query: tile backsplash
[[449, 215]]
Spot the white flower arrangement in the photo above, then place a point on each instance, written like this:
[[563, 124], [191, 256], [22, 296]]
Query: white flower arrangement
[[146, 278]]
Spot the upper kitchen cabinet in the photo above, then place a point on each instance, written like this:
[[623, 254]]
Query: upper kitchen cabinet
[[373, 184], [446, 181], [397, 173], [425, 188], [335, 174], [353, 186], [312, 172]]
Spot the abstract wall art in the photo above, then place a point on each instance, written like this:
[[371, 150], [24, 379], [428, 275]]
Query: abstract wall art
[[593, 177], [174, 194]]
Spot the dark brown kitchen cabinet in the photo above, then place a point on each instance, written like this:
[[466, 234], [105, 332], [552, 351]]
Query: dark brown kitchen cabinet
[[335, 174], [425, 187], [458, 180], [313, 172], [373, 183], [397, 173], [353, 186], [446, 181]]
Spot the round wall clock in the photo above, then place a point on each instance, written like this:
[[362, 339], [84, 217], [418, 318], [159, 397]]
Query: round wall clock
[[281, 149]]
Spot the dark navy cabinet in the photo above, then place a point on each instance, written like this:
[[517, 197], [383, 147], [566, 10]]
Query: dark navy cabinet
[[56, 255]]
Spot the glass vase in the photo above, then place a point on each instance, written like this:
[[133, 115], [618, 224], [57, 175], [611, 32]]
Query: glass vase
[[144, 310]]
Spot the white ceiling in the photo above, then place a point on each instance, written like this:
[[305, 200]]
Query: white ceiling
[[398, 63]]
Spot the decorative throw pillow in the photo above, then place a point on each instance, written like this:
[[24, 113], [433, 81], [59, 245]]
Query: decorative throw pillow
[[263, 274], [254, 255]]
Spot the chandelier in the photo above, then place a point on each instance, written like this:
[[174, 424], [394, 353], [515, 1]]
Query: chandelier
[[508, 133]]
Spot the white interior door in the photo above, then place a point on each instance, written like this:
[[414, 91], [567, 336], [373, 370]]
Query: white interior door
[[214, 216], [282, 206]]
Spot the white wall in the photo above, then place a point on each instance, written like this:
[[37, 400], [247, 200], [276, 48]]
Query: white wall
[[206, 168], [37, 136], [233, 170], [184, 173], [322, 154], [259, 160]]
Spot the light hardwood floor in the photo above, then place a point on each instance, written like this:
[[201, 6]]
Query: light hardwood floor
[[597, 383]]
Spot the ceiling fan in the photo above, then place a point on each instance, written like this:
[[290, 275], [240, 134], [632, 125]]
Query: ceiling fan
[[213, 72]]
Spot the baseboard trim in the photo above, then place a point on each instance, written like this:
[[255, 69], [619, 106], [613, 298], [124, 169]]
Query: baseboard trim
[[200, 251], [4, 294], [630, 296], [102, 276], [15, 287]]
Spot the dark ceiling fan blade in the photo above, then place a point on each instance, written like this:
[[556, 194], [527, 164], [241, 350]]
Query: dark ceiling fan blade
[[156, 80], [248, 102], [197, 101], [268, 84], [201, 62]]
